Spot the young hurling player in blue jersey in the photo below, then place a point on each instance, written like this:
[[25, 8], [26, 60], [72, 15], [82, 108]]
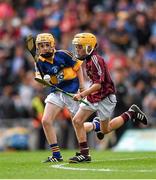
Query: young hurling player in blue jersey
[[65, 73]]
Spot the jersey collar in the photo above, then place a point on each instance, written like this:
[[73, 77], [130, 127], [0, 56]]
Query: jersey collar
[[49, 60]]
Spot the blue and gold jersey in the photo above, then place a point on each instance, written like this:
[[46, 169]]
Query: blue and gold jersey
[[63, 70]]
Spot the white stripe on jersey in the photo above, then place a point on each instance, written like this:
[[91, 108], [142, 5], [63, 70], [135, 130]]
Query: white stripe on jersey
[[95, 61]]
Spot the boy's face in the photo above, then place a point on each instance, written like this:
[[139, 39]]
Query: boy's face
[[80, 51], [45, 47]]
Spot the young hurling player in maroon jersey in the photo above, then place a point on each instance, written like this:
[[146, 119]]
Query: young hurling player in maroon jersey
[[100, 96]]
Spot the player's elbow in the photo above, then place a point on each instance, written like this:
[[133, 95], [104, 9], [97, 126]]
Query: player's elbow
[[97, 86]]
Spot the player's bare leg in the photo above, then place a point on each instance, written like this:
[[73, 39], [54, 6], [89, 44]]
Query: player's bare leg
[[78, 123], [89, 126], [134, 113], [49, 116], [50, 113], [109, 125]]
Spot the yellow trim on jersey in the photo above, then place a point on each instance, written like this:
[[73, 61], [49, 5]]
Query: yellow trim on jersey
[[69, 73], [77, 65], [45, 59], [50, 60], [65, 51]]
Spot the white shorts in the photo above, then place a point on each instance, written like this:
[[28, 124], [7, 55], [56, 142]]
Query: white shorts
[[104, 108], [61, 100]]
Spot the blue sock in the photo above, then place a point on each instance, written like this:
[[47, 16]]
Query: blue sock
[[55, 150], [96, 126]]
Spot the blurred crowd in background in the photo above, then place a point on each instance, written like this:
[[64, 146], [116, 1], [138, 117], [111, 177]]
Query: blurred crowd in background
[[126, 33]]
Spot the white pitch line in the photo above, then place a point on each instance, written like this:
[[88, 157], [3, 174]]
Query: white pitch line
[[63, 166]]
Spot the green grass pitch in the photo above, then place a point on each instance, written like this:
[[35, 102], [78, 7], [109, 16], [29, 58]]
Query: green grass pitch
[[104, 165]]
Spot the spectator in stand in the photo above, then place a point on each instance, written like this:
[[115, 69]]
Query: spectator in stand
[[149, 103], [37, 113], [119, 75], [142, 31]]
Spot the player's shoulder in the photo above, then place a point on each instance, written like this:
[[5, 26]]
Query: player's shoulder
[[64, 53], [97, 58]]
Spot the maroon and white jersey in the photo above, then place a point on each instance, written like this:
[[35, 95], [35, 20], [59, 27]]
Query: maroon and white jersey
[[97, 71]]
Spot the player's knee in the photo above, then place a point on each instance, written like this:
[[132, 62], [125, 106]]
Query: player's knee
[[76, 122], [105, 129], [45, 122]]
